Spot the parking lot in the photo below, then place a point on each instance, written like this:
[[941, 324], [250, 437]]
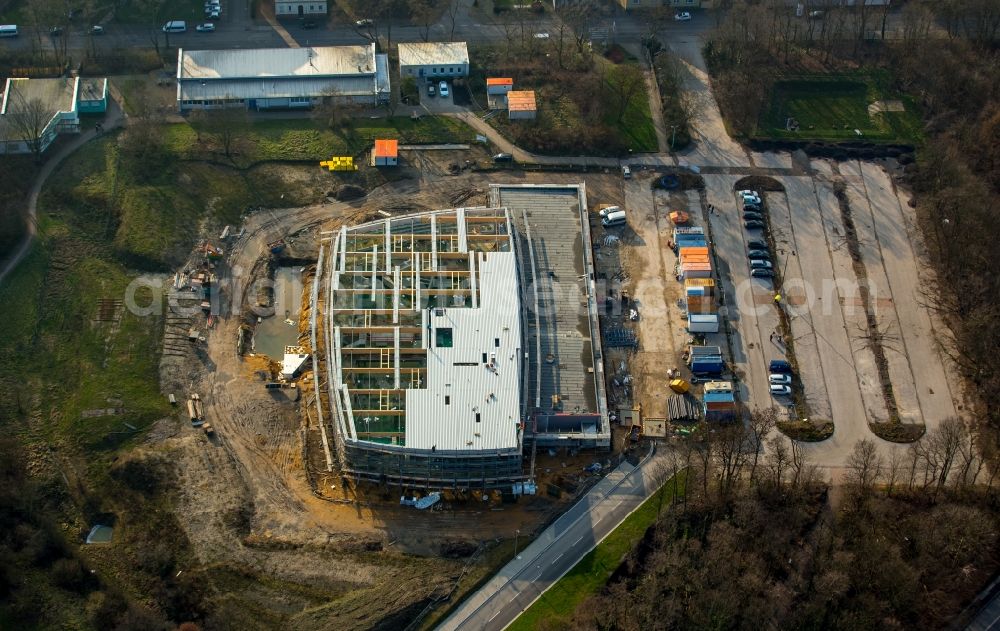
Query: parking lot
[[829, 328]]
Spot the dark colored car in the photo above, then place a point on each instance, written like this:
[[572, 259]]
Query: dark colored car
[[757, 244], [753, 215], [753, 207], [55, 31], [758, 254], [503, 157], [753, 224], [309, 24], [779, 366], [761, 273]]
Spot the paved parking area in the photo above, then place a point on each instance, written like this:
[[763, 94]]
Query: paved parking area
[[829, 330]]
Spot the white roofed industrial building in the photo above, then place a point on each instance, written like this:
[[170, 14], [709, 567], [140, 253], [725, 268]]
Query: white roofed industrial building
[[433, 59], [270, 78]]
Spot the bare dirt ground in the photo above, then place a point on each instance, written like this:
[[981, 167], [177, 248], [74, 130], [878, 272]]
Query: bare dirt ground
[[256, 496]]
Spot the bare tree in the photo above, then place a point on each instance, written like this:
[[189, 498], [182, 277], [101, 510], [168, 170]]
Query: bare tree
[[893, 469], [422, 12], [28, 119], [579, 16], [778, 460], [226, 125], [451, 13], [761, 424], [626, 83], [329, 110], [864, 466]]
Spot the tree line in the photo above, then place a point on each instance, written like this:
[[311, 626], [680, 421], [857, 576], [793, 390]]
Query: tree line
[[756, 539]]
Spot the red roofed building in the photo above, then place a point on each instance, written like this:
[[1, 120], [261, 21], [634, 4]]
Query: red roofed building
[[385, 153]]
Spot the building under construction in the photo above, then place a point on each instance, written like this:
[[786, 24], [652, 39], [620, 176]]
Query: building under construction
[[424, 334]]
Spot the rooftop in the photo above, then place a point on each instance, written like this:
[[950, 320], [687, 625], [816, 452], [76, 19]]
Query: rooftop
[[59, 95], [499, 81], [55, 95], [425, 322], [253, 63], [521, 101], [386, 148], [93, 89], [433, 53], [562, 336]]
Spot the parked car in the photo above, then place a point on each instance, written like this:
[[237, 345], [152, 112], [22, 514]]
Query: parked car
[[308, 24], [816, 15], [761, 273], [542, 35], [682, 16], [757, 244], [752, 205], [761, 264], [750, 214], [751, 199], [97, 30], [747, 193], [607, 210], [55, 31], [365, 22], [758, 254], [443, 88], [214, 15], [780, 378], [780, 391], [207, 27], [431, 90], [779, 365], [626, 172], [503, 157], [753, 224]]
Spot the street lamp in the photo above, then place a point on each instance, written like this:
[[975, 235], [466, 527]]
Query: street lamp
[[516, 533]]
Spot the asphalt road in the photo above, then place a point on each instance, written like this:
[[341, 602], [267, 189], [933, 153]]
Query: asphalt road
[[238, 30], [500, 601]]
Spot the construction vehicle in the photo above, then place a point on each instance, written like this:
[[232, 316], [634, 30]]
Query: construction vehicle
[[679, 386], [209, 430]]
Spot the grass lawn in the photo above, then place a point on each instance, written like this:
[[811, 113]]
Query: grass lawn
[[636, 127], [832, 107], [557, 605], [306, 140]]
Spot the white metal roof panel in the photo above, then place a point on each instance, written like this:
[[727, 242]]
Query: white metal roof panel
[[319, 61], [433, 53], [492, 393]]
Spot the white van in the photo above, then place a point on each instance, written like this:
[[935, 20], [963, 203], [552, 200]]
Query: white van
[[8, 30], [175, 26], [615, 218]]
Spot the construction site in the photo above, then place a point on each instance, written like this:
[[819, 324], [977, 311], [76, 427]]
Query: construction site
[[336, 446]]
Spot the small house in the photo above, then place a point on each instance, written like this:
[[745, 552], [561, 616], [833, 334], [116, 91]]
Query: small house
[[521, 105], [92, 98], [385, 153], [501, 85]]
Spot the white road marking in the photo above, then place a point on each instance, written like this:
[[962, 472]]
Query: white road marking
[[556, 559], [494, 615], [578, 540]]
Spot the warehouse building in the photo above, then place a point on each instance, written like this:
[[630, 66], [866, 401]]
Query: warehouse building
[[433, 60], [35, 111], [281, 78]]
